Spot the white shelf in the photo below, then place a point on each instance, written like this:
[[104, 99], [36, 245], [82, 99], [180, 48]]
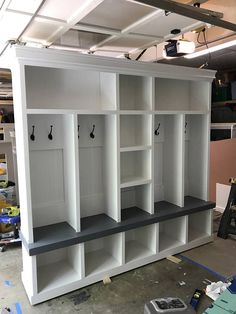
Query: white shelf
[[135, 168], [133, 181], [70, 111], [135, 112], [166, 112], [135, 148]]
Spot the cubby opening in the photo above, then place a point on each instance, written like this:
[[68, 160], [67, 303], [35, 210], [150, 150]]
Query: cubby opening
[[135, 168], [135, 92], [176, 94], [97, 165], [103, 254], [58, 268], [172, 233], [135, 131], [199, 225], [51, 88], [137, 198], [168, 146], [53, 170], [196, 156], [140, 243]]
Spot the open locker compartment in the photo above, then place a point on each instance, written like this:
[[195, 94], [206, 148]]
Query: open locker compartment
[[181, 95], [59, 267], [199, 225], [172, 233], [135, 168], [140, 243], [136, 198], [103, 254], [55, 88], [135, 92], [53, 169], [97, 165], [135, 131], [168, 159], [196, 155]]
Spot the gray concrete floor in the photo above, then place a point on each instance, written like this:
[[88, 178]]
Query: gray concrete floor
[[127, 292]]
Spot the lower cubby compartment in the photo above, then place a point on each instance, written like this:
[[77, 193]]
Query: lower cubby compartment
[[199, 225], [103, 254], [140, 243], [172, 233], [59, 267]]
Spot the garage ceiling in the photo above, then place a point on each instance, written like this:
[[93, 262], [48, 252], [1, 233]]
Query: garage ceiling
[[105, 27]]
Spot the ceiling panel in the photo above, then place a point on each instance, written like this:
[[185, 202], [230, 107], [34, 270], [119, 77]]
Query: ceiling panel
[[63, 10], [41, 30], [11, 25], [116, 14], [125, 44], [81, 39], [29, 6], [162, 25]]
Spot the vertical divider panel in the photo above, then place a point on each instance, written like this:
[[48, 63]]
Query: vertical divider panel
[[21, 128], [157, 238], [187, 229], [71, 170], [110, 166], [152, 143], [174, 160], [82, 259], [123, 248], [29, 273]]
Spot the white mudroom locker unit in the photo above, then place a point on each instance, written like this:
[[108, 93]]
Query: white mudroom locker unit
[[113, 165]]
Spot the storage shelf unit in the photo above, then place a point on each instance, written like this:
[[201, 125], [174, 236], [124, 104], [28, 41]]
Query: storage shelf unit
[[107, 179]]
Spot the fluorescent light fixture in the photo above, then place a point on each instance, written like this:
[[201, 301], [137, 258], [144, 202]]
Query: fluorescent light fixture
[[211, 49]]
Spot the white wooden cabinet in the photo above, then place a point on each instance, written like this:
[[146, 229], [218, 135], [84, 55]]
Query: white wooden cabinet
[[113, 165]]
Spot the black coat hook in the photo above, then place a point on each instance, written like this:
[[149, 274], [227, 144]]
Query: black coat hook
[[78, 130], [32, 136], [50, 137], [156, 131], [92, 133], [185, 131]]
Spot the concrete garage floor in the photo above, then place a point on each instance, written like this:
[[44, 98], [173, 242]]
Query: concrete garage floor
[[128, 292]]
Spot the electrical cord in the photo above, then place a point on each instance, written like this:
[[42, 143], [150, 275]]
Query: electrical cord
[[208, 57]]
